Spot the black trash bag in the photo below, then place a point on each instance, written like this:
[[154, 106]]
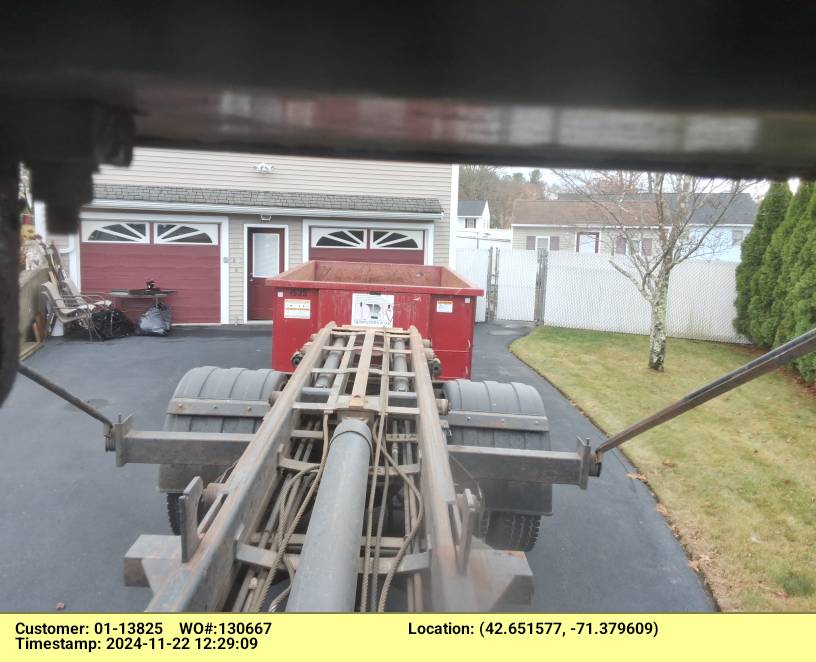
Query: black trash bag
[[111, 323], [155, 321]]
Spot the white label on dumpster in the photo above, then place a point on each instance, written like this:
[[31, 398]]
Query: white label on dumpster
[[297, 308], [372, 309], [444, 306]]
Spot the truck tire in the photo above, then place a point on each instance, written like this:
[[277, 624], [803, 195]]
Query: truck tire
[[211, 383], [504, 527]]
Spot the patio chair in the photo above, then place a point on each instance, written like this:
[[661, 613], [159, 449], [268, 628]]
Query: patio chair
[[95, 299], [68, 309]]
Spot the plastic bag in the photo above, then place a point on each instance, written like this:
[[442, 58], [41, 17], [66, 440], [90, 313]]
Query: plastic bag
[[155, 321], [111, 323]]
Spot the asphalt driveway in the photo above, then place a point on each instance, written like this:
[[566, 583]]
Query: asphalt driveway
[[68, 515]]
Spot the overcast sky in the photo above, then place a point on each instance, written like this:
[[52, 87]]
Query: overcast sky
[[547, 175]]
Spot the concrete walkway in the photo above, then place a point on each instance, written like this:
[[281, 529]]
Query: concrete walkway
[[68, 515]]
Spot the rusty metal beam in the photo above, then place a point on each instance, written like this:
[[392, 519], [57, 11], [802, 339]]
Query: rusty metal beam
[[203, 583], [450, 590], [197, 448], [547, 467]]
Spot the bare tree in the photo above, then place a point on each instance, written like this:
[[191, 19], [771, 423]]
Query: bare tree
[[661, 220]]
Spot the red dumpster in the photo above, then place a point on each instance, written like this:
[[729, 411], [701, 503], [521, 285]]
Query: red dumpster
[[436, 300]]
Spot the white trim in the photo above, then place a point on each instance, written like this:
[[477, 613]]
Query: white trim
[[196, 228], [224, 256], [273, 211], [408, 233], [428, 227], [244, 304], [74, 257], [39, 219], [318, 236], [156, 218], [453, 221], [93, 225]]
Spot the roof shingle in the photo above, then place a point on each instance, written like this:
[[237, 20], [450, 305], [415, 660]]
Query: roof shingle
[[284, 199], [571, 210]]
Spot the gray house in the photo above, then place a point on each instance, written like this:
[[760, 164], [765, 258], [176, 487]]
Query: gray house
[[572, 223]]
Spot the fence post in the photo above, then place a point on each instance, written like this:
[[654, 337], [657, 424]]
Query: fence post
[[492, 283], [541, 286]]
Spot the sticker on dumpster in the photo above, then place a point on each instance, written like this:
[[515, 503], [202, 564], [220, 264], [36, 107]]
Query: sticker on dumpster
[[297, 309], [372, 309], [444, 306]]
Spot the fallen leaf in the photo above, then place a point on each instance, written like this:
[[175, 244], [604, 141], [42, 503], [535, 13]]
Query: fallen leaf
[[662, 510], [694, 565], [60, 606], [638, 476], [669, 464]]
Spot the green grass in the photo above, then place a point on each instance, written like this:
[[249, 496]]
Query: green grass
[[736, 475]]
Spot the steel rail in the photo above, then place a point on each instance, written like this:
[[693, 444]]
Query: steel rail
[[56, 389], [203, 583], [780, 356], [451, 591]]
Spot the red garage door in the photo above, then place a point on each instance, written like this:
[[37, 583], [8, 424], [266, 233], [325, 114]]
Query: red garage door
[[397, 246], [177, 256]]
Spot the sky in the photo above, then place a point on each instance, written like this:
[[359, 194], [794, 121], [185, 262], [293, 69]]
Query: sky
[[757, 190]]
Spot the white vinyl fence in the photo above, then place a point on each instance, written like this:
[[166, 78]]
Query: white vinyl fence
[[473, 264], [586, 292]]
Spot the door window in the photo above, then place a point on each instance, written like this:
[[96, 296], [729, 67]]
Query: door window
[[265, 254]]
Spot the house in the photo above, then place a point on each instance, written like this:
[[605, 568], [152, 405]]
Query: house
[[474, 215], [212, 225], [573, 223], [473, 229]]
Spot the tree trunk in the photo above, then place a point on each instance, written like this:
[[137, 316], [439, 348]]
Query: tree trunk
[[657, 334]]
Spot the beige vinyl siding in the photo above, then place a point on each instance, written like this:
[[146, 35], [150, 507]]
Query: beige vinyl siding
[[160, 167], [236, 256], [566, 237]]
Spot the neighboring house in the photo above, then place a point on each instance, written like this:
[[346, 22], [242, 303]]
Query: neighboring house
[[213, 224], [473, 229], [571, 223], [474, 215]]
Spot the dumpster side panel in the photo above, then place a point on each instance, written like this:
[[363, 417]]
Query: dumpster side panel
[[409, 308], [451, 333], [294, 319]]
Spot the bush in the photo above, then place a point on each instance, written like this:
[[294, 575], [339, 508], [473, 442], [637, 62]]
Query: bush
[[768, 289], [797, 263], [770, 215]]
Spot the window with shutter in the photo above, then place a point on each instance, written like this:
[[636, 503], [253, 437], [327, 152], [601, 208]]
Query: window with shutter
[[531, 242], [620, 246], [646, 246], [555, 243]]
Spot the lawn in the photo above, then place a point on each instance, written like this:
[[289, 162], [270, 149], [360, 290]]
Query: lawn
[[736, 477]]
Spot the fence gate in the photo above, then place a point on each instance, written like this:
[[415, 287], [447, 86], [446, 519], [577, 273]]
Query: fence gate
[[518, 279]]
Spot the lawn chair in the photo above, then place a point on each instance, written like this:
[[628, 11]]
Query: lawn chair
[[95, 299], [69, 310]]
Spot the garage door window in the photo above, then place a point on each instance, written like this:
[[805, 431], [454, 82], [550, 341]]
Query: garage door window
[[394, 239], [188, 233], [115, 233], [324, 238]]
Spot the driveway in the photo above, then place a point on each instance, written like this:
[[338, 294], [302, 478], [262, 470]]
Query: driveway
[[68, 515]]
